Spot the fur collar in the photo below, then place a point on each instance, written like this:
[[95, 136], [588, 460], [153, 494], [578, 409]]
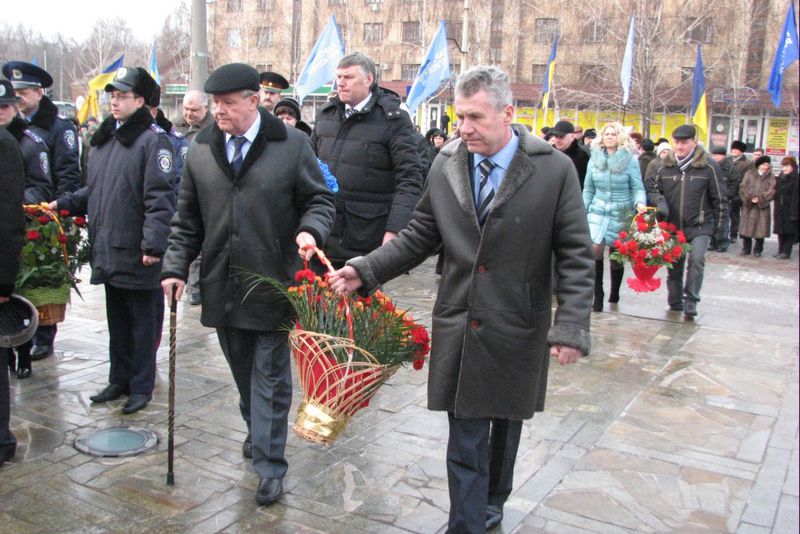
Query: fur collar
[[125, 134], [46, 116], [615, 163], [272, 129], [163, 121], [699, 160], [17, 127]]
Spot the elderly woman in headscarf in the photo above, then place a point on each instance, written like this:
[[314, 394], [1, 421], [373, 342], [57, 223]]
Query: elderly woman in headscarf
[[613, 192]]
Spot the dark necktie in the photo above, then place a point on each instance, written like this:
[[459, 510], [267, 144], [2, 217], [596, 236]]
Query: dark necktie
[[236, 162], [349, 112], [485, 193]]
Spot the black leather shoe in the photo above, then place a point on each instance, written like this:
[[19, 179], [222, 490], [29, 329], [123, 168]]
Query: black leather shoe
[[690, 309], [110, 393], [24, 372], [195, 299], [247, 447], [135, 403], [40, 352], [269, 490], [494, 516], [676, 307]]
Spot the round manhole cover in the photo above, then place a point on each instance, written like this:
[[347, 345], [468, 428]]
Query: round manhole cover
[[117, 442]]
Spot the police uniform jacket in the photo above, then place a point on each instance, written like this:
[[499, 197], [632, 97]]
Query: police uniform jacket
[[61, 138], [38, 183], [129, 198], [247, 224], [375, 157], [492, 317], [695, 200], [180, 146]]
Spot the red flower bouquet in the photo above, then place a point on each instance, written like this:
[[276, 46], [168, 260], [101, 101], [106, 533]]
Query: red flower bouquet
[[345, 348], [647, 246]]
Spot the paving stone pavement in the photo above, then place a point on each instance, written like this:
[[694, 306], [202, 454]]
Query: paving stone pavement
[[671, 425]]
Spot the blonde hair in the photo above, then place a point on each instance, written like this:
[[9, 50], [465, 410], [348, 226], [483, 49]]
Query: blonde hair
[[623, 139]]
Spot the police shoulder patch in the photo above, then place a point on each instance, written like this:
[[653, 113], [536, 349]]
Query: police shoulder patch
[[44, 163], [175, 133], [164, 159], [33, 135], [184, 151], [69, 139], [157, 129]]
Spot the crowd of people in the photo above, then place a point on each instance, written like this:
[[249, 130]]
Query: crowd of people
[[192, 205]]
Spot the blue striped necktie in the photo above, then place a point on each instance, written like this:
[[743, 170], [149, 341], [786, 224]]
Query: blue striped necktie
[[236, 162], [486, 193]]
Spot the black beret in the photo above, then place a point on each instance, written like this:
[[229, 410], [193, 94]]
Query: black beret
[[739, 145], [231, 78], [289, 103], [23, 74], [7, 94], [134, 79], [684, 131], [590, 133], [273, 82], [763, 159], [719, 150]]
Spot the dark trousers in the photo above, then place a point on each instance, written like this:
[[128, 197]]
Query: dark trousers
[[734, 211], [262, 371], [785, 243], [747, 245], [677, 290], [135, 318], [45, 335], [8, 443], [480, 468]]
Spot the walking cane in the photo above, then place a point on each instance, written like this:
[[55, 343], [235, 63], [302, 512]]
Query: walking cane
[[173, 305]]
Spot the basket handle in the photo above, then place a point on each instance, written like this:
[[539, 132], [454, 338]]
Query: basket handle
[[347, 312]]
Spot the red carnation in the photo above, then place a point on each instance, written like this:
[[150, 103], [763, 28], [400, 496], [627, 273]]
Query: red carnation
[[44, 219], [61, 238], [617, 244], [676, 251], [632, 245], [665, 235], [681, 237], [64, 213], [662, 225], [33, 235], [419, 363], [671, 227], [656, 252], [641, 226], [622, 249], [79, 221], [623, 234], [668, 257], [304, 275], [420, 336]]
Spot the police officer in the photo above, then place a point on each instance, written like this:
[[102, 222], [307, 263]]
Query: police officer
[[130, 199], [272, 84], [61, 138], [180, 146], [38, 184]]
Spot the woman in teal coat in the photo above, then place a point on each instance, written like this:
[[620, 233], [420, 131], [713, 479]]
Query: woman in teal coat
[[612, 192]]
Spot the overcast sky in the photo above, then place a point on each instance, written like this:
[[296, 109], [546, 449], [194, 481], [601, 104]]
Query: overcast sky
[[75, 19]]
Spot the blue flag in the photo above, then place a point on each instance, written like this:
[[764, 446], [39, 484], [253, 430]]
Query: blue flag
[[433, 71], [153, 68], [785, 55], [699, 111], [627, 64], [115, 65], [320, 68]]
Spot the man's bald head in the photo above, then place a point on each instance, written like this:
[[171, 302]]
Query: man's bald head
[[195, 107]]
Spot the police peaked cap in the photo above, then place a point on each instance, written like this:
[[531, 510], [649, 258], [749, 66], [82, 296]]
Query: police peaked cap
[[273, 82], [231, 78], [7, 94], [23, 74], [133, 79]]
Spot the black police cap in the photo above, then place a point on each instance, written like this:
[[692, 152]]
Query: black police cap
[[23, 74], [684, 131], [7, 94], [135, 79], [273, 82], [231, 78]]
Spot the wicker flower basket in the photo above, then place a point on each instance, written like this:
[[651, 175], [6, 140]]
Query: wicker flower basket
[[50, 302], [332, 391]]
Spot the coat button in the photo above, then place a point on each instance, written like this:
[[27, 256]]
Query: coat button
[[482, 269], [474, 323]]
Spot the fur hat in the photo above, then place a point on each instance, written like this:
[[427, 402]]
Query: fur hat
[[739, 145], [763, 159]]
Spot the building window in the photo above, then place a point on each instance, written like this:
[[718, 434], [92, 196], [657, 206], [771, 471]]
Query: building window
[[537, 72], [263, 5], [234, 38], [593, 74], [263, 37], [699, 31], [411, 32], [373, 33], [545, 31], [409, 71], [594, 31], [234, 6]]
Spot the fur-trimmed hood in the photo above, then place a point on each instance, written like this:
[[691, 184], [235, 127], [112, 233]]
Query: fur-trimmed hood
[[126, 134], [616, 162]]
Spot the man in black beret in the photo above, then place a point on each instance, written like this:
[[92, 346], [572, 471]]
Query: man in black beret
[[61, 138], [130, 200], [252, 197], [272, 84], [689, 192], [586, 141]]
